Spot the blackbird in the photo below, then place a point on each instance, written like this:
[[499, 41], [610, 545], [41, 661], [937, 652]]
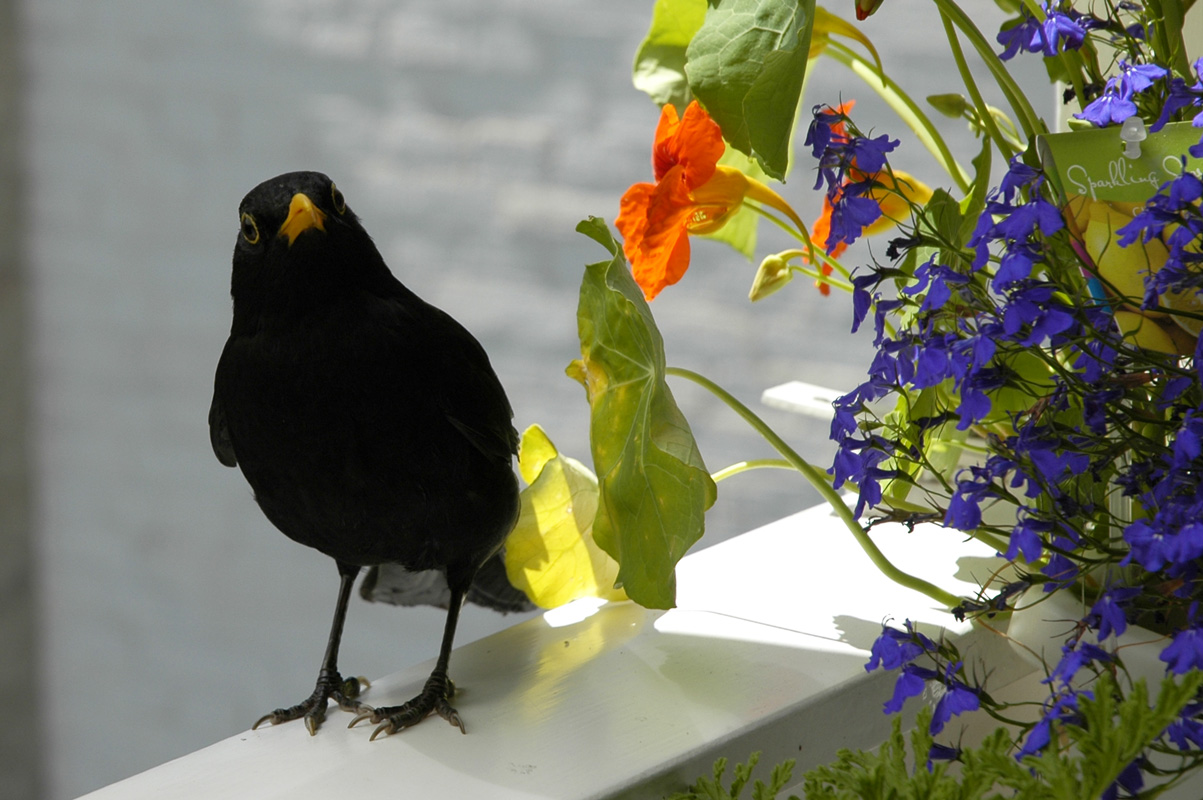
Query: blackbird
[[369, 424]]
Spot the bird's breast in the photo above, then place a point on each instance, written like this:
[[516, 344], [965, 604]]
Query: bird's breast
[[348, 449]]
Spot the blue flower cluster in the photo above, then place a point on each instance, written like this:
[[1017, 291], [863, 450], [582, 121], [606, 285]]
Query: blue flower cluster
[[1064, 28], [1182, 96], [896, 649], [1077, 441], [1176, 208], [973, 354], [1094, 446], [847, 164], [1060, 29], [1116, 102]]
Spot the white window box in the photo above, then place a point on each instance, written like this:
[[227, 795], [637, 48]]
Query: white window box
[[766, 651]]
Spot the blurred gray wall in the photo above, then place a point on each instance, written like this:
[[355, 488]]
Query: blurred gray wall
[[470, 136], [20, 730]]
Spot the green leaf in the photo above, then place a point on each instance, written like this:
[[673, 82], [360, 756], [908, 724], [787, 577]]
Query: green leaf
[[942, 217], [1082, 759], [660, 61], [746, 65], [654, 486], [975, 203]]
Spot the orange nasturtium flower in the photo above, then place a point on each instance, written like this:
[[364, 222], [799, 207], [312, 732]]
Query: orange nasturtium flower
[[893, 190], [692, 194]]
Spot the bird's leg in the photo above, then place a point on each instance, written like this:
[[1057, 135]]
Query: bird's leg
[[330, 685], [435, 695]]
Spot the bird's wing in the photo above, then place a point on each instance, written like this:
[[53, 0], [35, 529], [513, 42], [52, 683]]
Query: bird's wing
[[497, 442], [219, 434], [469, 393]]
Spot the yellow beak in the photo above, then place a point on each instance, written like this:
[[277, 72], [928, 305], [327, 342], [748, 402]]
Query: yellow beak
[[302, 215]]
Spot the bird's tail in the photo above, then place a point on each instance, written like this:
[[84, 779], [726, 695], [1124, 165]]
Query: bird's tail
[[394, 584]]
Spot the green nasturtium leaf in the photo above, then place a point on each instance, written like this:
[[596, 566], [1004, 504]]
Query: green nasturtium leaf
[[746, 65], [660, 61], [551, 554], [654, 487]]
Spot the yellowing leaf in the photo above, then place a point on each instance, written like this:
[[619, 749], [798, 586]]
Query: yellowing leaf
[[551, 554]]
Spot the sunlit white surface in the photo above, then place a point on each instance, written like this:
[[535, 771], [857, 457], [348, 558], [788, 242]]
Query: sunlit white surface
[[766, 651], [802, 398], [571, 613]]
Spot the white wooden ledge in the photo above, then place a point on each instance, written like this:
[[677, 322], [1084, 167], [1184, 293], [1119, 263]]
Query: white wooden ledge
[[766, 651]]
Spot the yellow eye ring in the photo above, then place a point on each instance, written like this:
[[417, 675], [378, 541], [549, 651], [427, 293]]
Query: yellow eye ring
[[340, 202], [250, 231]]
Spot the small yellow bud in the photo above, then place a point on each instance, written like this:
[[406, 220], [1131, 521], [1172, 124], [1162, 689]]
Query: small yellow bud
[[774, 272]]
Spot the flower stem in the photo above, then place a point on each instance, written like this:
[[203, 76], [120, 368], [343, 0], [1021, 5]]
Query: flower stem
[[1029, 121], [905, 107], [989, 124], [817, 274], [824, 488], [745, 466], [799, 233]]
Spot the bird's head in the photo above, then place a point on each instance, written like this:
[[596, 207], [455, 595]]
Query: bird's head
[[299, 243]]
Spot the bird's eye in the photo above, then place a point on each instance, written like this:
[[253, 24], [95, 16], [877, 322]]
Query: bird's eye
[[250, 231], [340, 203]]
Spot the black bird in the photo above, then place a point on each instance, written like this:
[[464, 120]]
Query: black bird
[[369, 424]]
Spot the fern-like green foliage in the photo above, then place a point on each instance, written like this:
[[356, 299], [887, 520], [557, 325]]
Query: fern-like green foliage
[[713, 789], [1083, 759]]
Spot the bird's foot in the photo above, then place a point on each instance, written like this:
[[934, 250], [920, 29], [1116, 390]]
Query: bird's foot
[[330, 686], [432, 700]]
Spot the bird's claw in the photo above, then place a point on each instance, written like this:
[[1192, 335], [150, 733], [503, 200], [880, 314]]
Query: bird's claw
[[433, 700], [365, 712], [313, 708]]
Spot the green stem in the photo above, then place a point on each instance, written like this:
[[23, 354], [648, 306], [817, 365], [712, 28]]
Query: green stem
[[745, 466], [1168, 43], [817, 274], [985, 118], [824, 488], [801, 234], [1029, 121], [1074, 65], [906, 108]]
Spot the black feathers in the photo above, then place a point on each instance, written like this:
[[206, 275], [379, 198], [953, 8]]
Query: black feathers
[[369, 424]]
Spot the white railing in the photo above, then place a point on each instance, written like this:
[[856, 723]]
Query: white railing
[[765, 651]]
